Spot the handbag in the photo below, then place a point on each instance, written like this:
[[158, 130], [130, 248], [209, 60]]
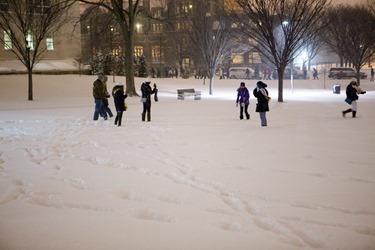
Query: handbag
[[348, 101]]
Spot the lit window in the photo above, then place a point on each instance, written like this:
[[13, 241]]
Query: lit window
[[138, 51], [156, 53], [7, 40], [157, 28], [49, 42], [237, 59], [29, 40]]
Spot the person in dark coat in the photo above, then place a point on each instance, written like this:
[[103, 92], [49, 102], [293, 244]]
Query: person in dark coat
[[261, 93], [98, 92], [243, 98], [352, 91], [147, 91], [119, 97], [105, 100]]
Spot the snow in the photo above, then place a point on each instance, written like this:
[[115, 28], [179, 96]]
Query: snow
[[43, 65], [195, 177]]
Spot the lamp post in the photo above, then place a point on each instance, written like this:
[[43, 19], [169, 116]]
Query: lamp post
[[28, 66]]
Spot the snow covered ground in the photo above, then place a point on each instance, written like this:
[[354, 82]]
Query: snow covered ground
[[194, 178]]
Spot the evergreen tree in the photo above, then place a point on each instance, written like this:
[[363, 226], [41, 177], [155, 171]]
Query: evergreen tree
[[142, 67]]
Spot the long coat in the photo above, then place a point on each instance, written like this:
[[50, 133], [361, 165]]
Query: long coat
[[147, 91], [351, 92], [261, 94], [119, 97]]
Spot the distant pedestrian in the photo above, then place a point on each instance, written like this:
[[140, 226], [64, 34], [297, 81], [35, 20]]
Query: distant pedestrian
[[261, 93], [156, 98], [315, 74], [243, 98], [247, 74], [352, 91], [99, 95], [372, 75], [256, 73], [119, 97]]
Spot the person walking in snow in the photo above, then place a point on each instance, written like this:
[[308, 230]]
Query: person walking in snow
[[105, 100], [119, 97], [315, 74], [99, 95], [146, 99], [247, 74], [352, 91], [243, 98], [261, 93]]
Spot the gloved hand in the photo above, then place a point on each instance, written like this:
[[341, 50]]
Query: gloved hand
[[363, 92]]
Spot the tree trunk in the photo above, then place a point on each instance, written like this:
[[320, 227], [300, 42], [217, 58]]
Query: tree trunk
[[280, 87], [30, 77], [129, 68], [211, 85]]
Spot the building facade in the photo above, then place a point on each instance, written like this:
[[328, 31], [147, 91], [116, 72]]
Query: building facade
[[62, 45]]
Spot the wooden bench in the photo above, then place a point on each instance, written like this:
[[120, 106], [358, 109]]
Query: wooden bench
[[181, 93]]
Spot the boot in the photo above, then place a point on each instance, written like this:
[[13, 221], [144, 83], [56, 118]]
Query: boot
[[354, 113], [109, 111], [143, 117], [247, 116], [148, 116], [346, 111]]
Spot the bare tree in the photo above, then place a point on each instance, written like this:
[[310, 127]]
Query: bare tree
[[353, 37], [26, 25], [334, 35], [212, 33], [280, 28], [96, 23], [125, 13], [312, 48]]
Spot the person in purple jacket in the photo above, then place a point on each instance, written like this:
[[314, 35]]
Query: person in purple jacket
[[243, 99]]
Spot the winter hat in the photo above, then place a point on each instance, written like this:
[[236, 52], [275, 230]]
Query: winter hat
[[118, 84], [261, 84], [242, 84], [100, 77], [353, 80], [147, 80]]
